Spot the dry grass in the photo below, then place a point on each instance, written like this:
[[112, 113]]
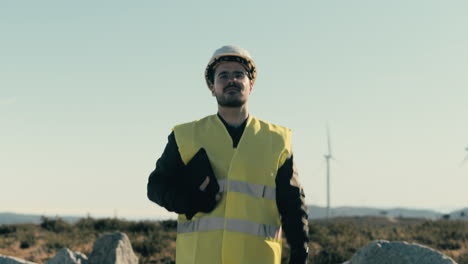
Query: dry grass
[[333, 241]]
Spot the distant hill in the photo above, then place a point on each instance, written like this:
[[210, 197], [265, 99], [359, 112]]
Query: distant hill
[[13, 218], [317, 212]]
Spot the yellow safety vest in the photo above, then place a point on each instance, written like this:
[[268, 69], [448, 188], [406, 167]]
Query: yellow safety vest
[[245, 227]]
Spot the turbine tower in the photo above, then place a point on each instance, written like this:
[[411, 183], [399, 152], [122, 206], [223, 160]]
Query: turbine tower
[[328, 157]]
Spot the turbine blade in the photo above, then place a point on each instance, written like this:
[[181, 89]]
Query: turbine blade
[[464, 161], [335, 160]]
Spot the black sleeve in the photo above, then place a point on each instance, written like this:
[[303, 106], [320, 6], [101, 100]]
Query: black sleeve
[[291, 206], [163, 186]]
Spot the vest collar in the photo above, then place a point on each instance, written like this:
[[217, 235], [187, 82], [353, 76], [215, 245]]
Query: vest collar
[[247, 130], [231, 125]]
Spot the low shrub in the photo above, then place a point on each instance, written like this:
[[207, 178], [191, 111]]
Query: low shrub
[[7, 229], [56, 225]]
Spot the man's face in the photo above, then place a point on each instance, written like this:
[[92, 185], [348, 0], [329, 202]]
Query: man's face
[[232, 85]]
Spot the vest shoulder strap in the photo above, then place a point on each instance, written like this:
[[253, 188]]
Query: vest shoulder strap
[[184, 134], [281, 137]]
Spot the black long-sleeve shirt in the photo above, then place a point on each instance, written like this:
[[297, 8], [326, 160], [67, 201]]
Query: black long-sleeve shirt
[[163, 190]]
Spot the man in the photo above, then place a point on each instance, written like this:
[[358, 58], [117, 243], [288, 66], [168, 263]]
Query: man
[[231, 177]]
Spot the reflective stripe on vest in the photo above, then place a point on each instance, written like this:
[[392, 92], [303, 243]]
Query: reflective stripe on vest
[[203, 224], [234, 225], [253, 189]]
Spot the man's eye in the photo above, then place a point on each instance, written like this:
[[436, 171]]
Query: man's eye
[[223, 76]]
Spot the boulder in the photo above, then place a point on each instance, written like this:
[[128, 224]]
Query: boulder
[[12, 260], [385, 252], [66, 256], [113, 249]]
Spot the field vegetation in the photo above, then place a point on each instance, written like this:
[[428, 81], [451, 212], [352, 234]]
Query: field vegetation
[[332, 241]]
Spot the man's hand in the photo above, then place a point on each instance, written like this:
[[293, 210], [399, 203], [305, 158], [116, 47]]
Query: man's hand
[[201, 184]]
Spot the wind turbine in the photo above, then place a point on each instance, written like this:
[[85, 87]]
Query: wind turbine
[[466, 158], [328, 157]]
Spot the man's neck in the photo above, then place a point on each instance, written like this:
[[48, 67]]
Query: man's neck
[[233, 115]]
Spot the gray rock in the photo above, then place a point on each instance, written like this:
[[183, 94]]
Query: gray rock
[[113, 249], [12, 260], [385, 252], [66, 256]]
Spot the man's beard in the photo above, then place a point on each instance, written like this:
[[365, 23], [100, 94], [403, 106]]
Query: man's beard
[[227, 100]]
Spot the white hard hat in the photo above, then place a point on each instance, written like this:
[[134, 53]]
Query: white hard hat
[[230, 53]]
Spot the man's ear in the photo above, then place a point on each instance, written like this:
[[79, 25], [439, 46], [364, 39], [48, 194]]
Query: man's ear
[[251, 86], [212, 89]]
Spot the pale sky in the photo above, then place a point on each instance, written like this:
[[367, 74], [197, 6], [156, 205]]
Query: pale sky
[[89, 92]]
